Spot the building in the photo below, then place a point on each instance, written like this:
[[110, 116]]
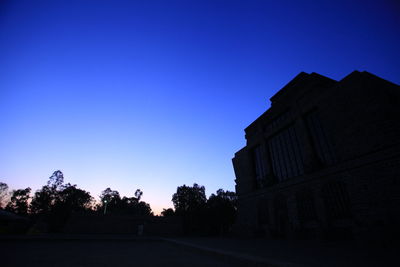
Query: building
[[323, 161]]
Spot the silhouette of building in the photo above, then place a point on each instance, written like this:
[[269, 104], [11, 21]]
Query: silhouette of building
[[323, 161]]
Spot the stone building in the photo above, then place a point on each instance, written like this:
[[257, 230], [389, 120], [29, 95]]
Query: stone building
[[323, 161]]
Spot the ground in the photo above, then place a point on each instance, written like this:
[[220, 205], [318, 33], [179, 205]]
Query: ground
[[100, 253], [127, 250]]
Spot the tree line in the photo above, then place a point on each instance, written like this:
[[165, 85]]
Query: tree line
[[213, 216], [56, 201]]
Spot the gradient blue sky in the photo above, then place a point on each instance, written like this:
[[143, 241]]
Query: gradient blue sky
[[156, 94]]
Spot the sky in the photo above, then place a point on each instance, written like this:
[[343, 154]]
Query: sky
[[156, 94]]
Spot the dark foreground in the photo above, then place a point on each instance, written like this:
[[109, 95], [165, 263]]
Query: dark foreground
[[125, 250], [100, 253]]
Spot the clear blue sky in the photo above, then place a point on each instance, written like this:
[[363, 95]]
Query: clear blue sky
[[156, 94]]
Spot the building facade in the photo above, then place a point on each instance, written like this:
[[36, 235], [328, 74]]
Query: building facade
[[323, 161]]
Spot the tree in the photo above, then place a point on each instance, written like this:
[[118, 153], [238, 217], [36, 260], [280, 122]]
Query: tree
[[221, 211], [19, 201], [74, 199], [138, 194], [3, 193], [56, 180], [126, 205], [43, 200], [111, 198], [111, 201], [168, 212], [188, 199], [56, 201], [143, 209], [190, 204]]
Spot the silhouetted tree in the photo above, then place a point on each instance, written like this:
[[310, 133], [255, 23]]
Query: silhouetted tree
[[43, 200], [187, 199], [110, 199], [69, 199], [201, 216], [126, 205], [168, 212], [221, 211], [3, 193], [143, 209], [190, 204], [74, 199], [55, 201], [19, 201], [109, 195], [56, 180], [138, 194]]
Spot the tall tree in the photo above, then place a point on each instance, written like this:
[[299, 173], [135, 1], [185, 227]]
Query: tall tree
[[56, 180], [43, 200], [112, 200], [19, 201], [221, 211], [74, 199], [187, 198], [55, 201], [138, 194], [190, 203], [110, 196]]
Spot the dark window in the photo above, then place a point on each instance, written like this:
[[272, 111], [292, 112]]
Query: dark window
[[286, 154], [259, 166], [263, 211], [305, 206], [281, 216], [320, 141], [336, 200]]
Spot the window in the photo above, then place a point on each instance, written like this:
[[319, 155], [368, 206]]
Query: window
[[336, 200], [305, 206], [286, 154], [281, 215], [263, 211], [259, 167], [320, 142]]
